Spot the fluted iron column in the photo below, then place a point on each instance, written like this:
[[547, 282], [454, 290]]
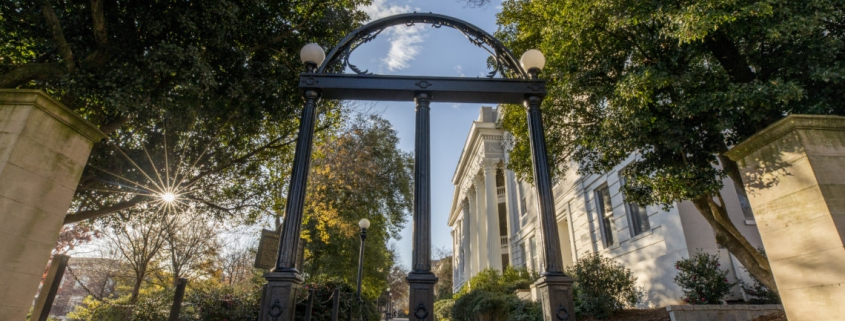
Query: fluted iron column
[[466, 253], [421, 279], [554, 287], [277, 302]]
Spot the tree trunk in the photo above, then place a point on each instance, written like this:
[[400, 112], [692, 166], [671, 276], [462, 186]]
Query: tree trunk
[[728, 236], [139, 278]]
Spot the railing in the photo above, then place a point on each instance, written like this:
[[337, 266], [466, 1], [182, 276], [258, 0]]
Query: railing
[[504, 241], [500, 190]]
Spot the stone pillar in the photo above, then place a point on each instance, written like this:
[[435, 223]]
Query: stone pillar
[[421, 280], [494, 245], [465, 238], [481, 238], [794, 173], [44, 147]]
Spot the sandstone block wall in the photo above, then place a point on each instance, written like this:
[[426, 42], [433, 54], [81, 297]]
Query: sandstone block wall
[[44, 147]]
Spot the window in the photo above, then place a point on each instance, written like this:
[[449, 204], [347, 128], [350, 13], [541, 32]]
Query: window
[[637, 214], [605, 211], [535, 260], [522, 208]]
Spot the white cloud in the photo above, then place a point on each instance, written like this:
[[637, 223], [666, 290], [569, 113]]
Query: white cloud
[[460, 70], [405, 42]]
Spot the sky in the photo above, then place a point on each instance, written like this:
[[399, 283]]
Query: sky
[[427, 51]]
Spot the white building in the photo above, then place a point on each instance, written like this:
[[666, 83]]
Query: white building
[[494, 221]]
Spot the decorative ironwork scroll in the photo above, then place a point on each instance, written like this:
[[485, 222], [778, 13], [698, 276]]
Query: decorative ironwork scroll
[[420, 312], [562, 314], [504, 62]]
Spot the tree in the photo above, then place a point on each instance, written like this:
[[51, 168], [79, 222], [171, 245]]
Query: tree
[[399, 289], [190, 245], [358, 172], [443, 270], [220, 75], [138, 243], [675, 83]]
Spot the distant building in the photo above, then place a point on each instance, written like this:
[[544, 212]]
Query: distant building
[[494, 221], [83, 277]]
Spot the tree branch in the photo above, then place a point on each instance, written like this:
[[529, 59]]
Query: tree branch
[[729, 57], [100, 56], [87, 215], [290, 31], [29, 72], [58, 35]]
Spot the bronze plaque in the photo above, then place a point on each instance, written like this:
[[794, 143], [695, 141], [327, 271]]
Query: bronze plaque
[[268, 250]]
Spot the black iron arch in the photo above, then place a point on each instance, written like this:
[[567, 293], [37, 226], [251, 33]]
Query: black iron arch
[[502, 57]]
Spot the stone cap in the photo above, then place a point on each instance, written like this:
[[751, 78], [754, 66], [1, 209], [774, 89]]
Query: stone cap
[[782, 127], [40, 99]]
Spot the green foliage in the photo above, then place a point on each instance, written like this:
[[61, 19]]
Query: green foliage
[[702, 280], [480, 304], [673, 82], [494, 306], [359, 173], [153, 305], [602, 286], [212, 86], [215, 301], [759, 293], [491, 280], [443, 309], [490, 295], [323, 301]]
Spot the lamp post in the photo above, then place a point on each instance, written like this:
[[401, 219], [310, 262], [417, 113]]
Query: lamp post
[[278, 299], [364, 224], [387, 309]]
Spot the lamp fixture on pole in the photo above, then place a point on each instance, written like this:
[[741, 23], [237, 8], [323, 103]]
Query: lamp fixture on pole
[[312, 55], [364, 224], [533, 62]]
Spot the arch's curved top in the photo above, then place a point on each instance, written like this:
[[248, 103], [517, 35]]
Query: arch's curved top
[[502, 57]]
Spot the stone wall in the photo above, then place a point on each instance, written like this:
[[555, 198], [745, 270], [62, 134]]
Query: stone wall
[[794, 172], [44, 147], [721, 312]]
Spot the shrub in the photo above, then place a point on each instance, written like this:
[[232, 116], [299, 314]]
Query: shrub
[[759, 293], [602, 286], [521, 310], [490, 306], [701, 279], [443, 310], [491, 280]]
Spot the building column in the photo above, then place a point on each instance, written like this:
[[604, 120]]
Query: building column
[[472, 237], [466, 250], [481, 224], [494, 244], [512, 205]]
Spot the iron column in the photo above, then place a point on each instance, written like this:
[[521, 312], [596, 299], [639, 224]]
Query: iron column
[[421, 280], [277, 302]]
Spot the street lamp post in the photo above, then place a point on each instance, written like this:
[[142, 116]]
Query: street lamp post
[[387, 309], [364, 224]]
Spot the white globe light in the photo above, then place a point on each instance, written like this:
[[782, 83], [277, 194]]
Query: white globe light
[[532, 58], [312, 53], [168, 197], [364, 223]]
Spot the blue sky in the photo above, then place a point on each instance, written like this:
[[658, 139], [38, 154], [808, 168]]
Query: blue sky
[[423, 50]]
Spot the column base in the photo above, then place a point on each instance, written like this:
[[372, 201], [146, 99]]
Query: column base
[[421, 292], [278, 301], [554, 291]]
